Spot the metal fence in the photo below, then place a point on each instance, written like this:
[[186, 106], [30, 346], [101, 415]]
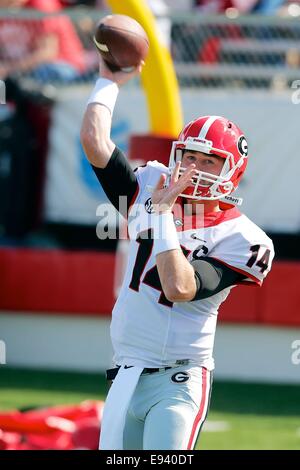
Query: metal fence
[[208, 52], [249, 52]]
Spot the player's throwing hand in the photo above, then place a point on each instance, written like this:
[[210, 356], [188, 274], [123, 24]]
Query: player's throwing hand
[[118, 77]]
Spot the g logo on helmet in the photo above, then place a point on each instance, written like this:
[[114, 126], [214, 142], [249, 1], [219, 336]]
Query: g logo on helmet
[[242, 146]]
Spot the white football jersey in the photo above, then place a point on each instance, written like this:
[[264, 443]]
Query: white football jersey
[[148, 330]]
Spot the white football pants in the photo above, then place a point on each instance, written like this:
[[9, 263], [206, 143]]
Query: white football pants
[[168, 409]]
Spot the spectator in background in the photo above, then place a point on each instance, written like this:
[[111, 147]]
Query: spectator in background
[[220, 6], [241, 6], [46, 48]]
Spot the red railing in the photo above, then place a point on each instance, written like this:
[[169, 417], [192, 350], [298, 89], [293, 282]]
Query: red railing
[[54, 281]]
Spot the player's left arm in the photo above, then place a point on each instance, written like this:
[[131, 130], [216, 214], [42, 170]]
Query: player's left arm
[[183, 281], [177, 276], [175, 272]]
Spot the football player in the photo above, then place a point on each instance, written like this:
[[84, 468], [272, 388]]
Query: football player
[[188, 248]]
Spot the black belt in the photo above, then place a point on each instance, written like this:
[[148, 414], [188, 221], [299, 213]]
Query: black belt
[[112, 373]]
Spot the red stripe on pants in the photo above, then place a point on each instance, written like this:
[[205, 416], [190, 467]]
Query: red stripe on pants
[[201, 412]]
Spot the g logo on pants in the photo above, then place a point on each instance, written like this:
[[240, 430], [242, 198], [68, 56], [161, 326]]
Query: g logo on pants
[[180, 377]]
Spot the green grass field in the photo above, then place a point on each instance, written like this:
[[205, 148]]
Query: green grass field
[[242, 416]]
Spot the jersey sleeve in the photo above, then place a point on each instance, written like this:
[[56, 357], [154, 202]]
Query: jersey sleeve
[[118, 181], [250, 254], [122, 184], [212, 276], [148, 174], [147, 177]]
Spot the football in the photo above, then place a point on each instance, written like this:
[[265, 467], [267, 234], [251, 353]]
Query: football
[[121, 41]]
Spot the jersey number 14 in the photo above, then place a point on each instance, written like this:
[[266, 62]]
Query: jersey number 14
[[151, 277]]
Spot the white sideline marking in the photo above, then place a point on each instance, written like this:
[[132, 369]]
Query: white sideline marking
[[216, 426]]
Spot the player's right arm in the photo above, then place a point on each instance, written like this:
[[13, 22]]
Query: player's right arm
[[95, 135], [108, 162], [96, 124]]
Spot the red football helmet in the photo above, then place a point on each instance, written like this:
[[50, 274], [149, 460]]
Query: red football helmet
[[213, 135]]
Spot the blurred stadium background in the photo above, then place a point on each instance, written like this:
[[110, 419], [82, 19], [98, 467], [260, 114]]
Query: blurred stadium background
[[58, 279]]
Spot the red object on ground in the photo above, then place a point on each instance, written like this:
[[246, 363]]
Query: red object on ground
[[86, 435], [57, 428]]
